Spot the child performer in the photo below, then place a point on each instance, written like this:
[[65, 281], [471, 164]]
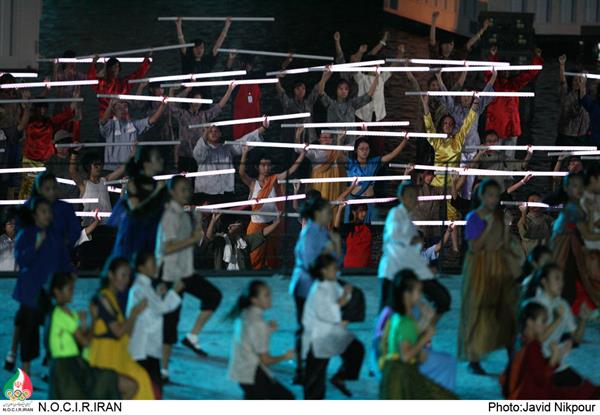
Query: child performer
[[250, 357], [489, 292], [325, 334]]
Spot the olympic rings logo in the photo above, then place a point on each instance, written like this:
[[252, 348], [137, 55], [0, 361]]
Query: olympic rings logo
[[17, 395]]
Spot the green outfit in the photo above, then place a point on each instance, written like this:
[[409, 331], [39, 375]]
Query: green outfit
[[402, 380], [71, 377]]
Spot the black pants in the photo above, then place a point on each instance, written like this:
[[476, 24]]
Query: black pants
[[316, 370], [152, 366], [435, 292], [29, 320], [266, 388], [567, 378], [199, 287], [299, 331]]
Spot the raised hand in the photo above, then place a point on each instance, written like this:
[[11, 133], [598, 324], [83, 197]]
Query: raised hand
[[562, 59]]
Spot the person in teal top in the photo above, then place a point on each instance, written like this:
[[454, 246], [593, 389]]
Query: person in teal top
[[70, 375], [403, 344]]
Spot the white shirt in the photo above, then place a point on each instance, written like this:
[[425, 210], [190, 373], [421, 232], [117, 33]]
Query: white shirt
[[251, 336], [267, 207], [567, 323], [377, 104], [175, 225], [218, 157], [322, 320], [7, 256], [398, 253], [147, 336], [99, 191]]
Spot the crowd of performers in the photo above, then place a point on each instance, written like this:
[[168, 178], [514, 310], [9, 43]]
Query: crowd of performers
[[530, 292]]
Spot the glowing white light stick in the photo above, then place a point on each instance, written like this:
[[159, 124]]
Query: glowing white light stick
[[322, 68], [386, 133], [93, 214], [425, 167], [533, 148], [140, 143], [346, 179], [155, 99], [39, 100], [575, 153], [217, 19], [528, 204], [90, 60], [23, 170], [382, 69], [184, 174], [21, 74], [196, 174], [586, 75], [143, 50], [268, 118], [48, 84], [277, 54], [500, 173], [469, 94], [450, 62], [291, 145], [191, 76], [222, 83], [348, 124], [252, 202], [374, 200], [70, 201]]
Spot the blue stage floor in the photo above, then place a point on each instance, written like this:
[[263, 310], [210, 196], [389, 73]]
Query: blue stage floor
[[195, 378]]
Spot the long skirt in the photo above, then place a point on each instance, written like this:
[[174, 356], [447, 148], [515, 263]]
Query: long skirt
[[112, 354], [71, 378], [329, 191], [401, 380], [488, 315], [580, 267]]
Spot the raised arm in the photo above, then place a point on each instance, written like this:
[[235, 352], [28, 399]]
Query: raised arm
[[74, 172], [562, 60], [243, 175], [284, 175], [519, 184], [434, 17], [212, 225], [108, 112], [227, 95], [471, 42], [339, 53], [392, 155], [324, 78], [221, 37], [383, 42], [180, 37], [374, 85], [156, 115]]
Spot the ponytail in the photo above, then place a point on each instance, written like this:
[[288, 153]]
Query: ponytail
[[244, 301]]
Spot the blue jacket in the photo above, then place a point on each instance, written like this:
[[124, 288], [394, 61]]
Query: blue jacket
[[37, 265], [64, 222]]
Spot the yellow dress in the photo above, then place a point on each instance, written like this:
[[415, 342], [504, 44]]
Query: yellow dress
[[108, 352], [448, 151]]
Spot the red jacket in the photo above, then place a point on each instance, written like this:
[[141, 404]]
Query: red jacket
[[358, 247], [503, 113], [246, 104], [115, 85], [39, 134]]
